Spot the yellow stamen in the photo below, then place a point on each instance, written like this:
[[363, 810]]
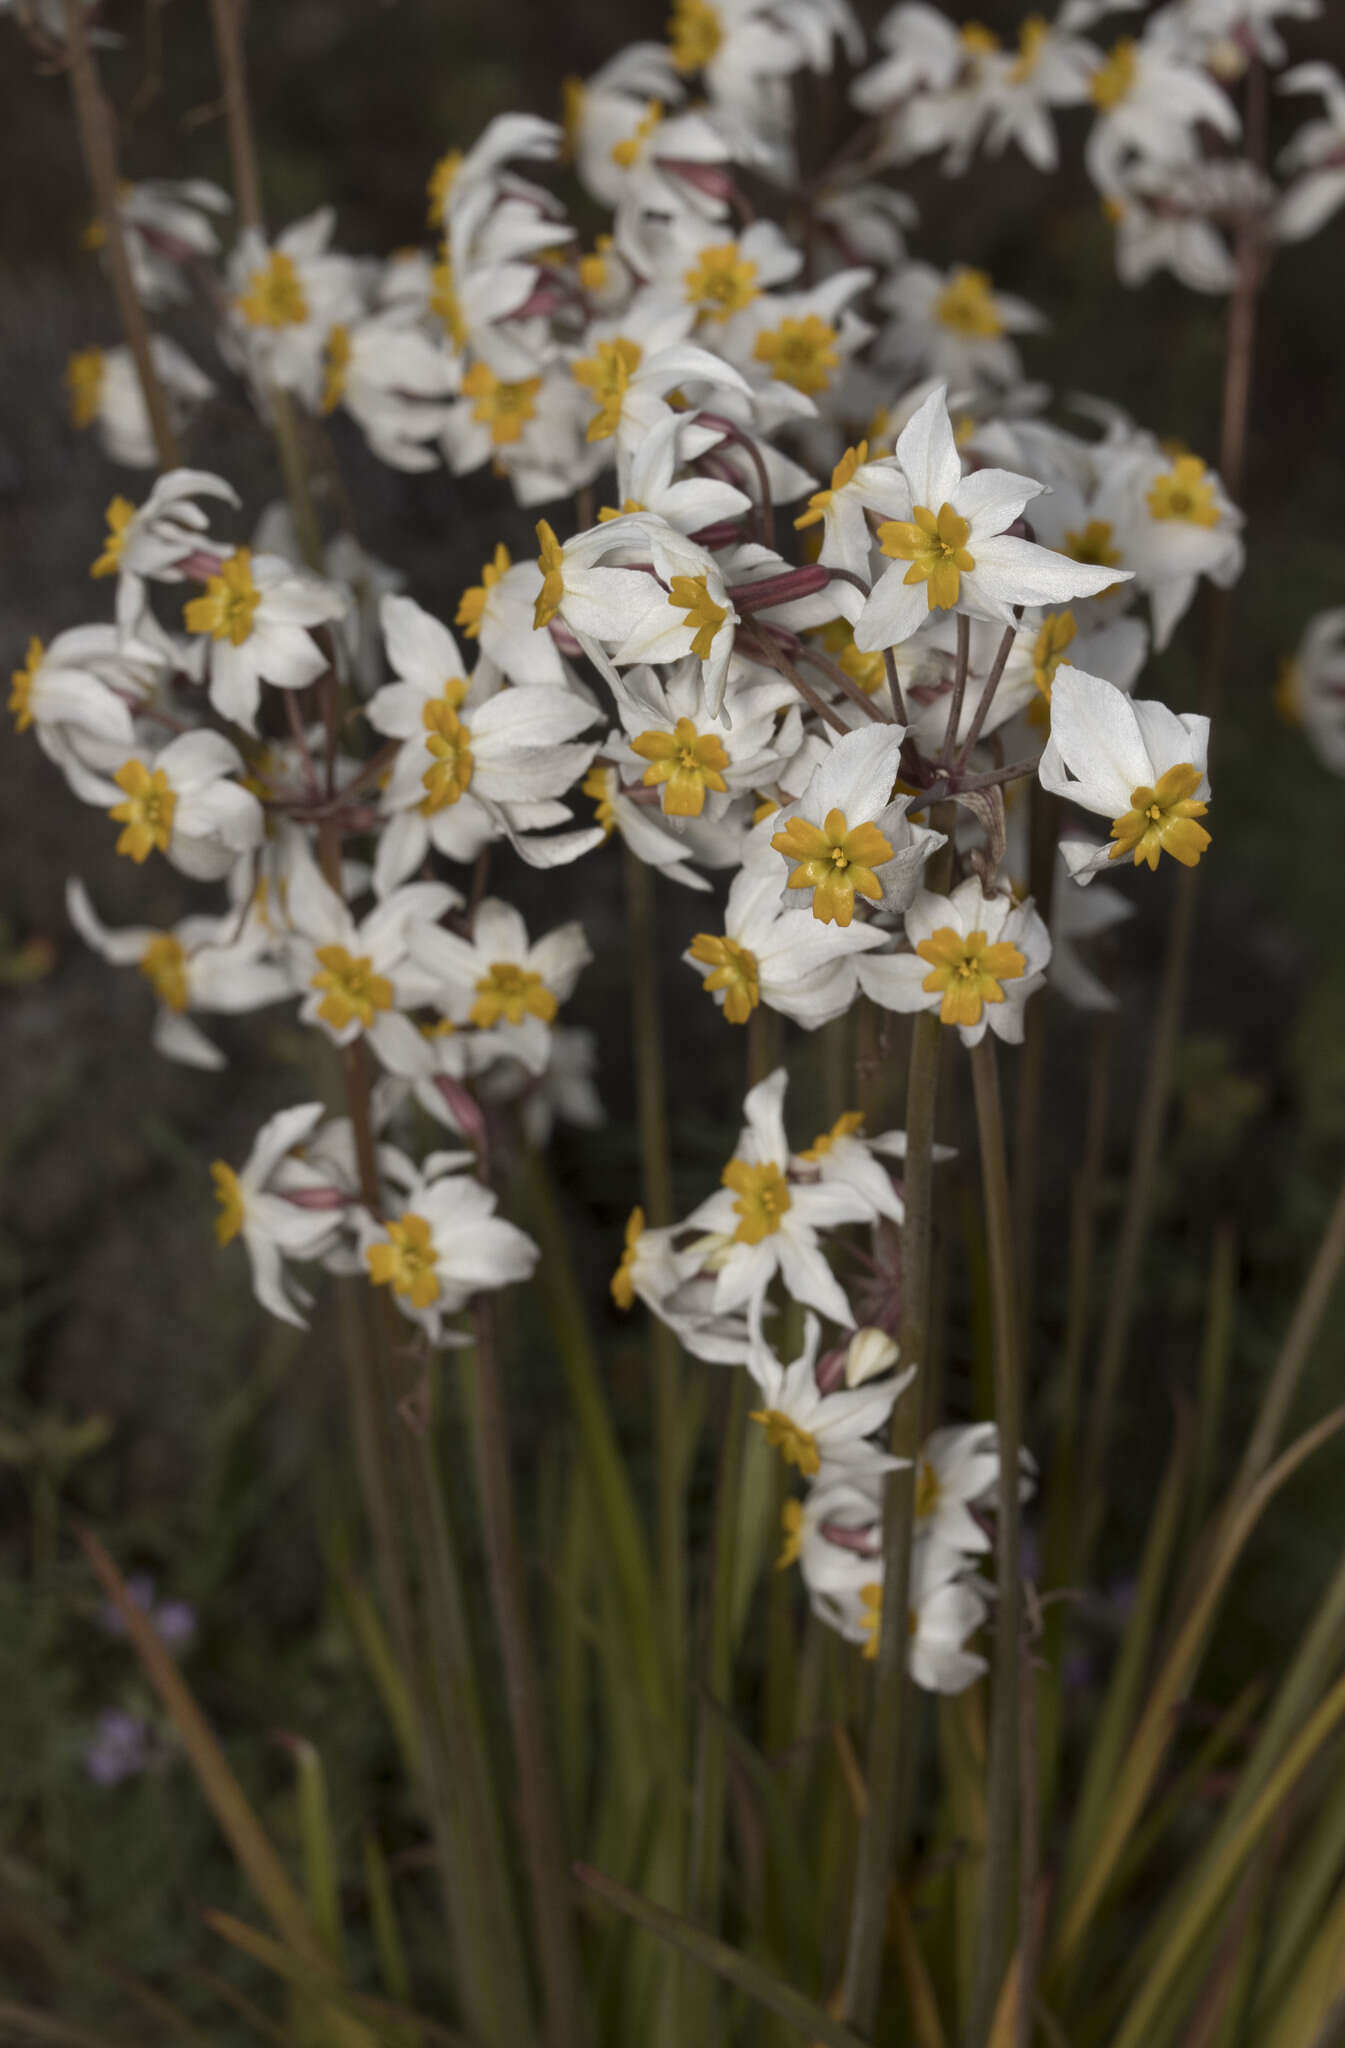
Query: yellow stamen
[[146, 817], [622, 1284], [763, 1199], [551, 562], [791, 1522], [800, 352], [504, 408], [84, 384], [695, 33], [449, 742], [119, 515], [353, 992], [407, 1261], [225, 610], [735, 972], [968, 972], [966, 306], [275, 294], [21, 682], [845, 1126], [229, 1196], [607, 374], [473, 601], [1162, 820], [1186, 492], [164, 966], [1114, 79], [841, 475], [686, 762], [927, 1490], [627, 153], [444, 302], [602, 784], [935, 545], [1048, 651], [691, 595], [721, 282], [335, 367], [508, 993], [440, 183], [835, 861], [796, 1446], [871, 1620], [1032, 36]]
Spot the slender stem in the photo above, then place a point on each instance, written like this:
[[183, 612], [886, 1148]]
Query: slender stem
[[894, 686], [94, 121], [959, 686], [537, 1809], [889, 1732], [982, 711], [288, 431], [769, 650], [851, 688], [1003, 1762], [656, 1162], [225, 20], [1029, 1850]]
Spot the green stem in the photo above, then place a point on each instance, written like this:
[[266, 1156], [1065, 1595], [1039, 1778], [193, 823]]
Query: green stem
[[1003, 1773], [288, 431], [537, 1807], [707, 1838], [656, 1163], [227, 29], [889, 1733]]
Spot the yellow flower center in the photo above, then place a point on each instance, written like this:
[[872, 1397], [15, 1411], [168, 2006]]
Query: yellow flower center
[[164, 966], [868, 669], [1287, 695], [225, 610], [504, 408], [445, 304], [509, 993], [845, 1126], [735, 972], [927, 1490], [796, 1446], [1114, 79], [622, 1283], [841, 475], [406, 1262], [627, 153], [440, 183], [229, 1196], [800, 352], [449, 743], [1186, 492], [21, 682], [1048, 651], [601, 785], [691, 596], [473, 601], [721, 282], [352, 990], [551, 562], [967, 972], [595, 268], [978, 40], [1032, 36], [84, 385], [695, 34], [119, 515], [146, 817], [606, 374], [935, 545], [763, 1199], [335, 367], [871, 1620], [791, 1522], [834, 862], [275, 294], [686, 762], [1093, 544], [966, 306], [1162, 820]]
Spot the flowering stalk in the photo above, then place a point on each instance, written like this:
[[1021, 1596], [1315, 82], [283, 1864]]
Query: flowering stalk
[[226, 24], [94, 123]]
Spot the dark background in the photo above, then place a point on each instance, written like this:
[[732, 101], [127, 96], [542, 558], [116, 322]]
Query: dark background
[[113, 1298]]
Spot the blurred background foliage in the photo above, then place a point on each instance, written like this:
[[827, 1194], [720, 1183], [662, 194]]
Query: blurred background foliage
[[143, 1391]]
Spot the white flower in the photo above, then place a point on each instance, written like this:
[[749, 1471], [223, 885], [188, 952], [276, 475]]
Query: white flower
[[816, 1430], [77, 696], [695, 762], [857, 487], [846, 836], [687, 610], [256, 611], [478, 761], [184, 803], [976, 959], [1138, 764], [1311, 690], [769, 1224], [953, 325], [285, 300], [957, 1470], [155, 542], [647, 479], [1175, 523], [445, 1244], [628, 366], [105, 392], [394, 381], [945, 1614], [1150, 103], [272, 1225], [164, 225], [842, 1156], [503, 983], [960, 557], [767, 955], [203, 963], [500, 612], [639, 824], [1316, 156]]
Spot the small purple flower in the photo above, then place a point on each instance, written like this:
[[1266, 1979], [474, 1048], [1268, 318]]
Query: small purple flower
[[120, 1749]]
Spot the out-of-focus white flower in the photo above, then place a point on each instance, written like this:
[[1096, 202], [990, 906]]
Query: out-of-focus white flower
[[444, 1245], [767, 955], [285, 299], [155, 542], [165, 223], [252, 1203], [105, 392], [1315, 158], [395, 383], [256, 611], [957, 1470], [1311, 688], [1138, 764], [1151, 103], [953, 325], [975, 959], [500, 612], [843, 1156], [77, 696], [185, 803], [501, 981], [202, 963]]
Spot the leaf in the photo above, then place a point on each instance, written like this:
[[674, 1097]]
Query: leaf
[[272, 1955], [315, 1834], [812, 2021]]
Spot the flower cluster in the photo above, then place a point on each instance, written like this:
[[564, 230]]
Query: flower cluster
[[829, 740]]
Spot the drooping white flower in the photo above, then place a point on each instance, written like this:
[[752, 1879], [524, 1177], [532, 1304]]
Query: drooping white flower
[[394, 381], [1138, 764], [165, 224], [77, 696], [953, 325], [1311, 688], [274, 1227], [957, 1470], [767, 955], [286, 297], [155, 542], [975, 959], [813, 1429], [954, 553], [256, 612], [1315, 158], [105, 393]]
